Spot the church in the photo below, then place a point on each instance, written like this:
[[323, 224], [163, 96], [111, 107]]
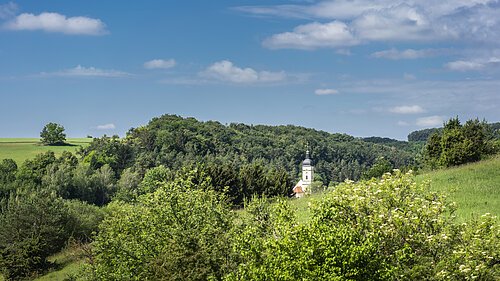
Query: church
[[303, 186]]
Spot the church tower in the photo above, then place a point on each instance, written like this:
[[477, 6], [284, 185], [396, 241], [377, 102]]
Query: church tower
[[303, 186], [307, 171]]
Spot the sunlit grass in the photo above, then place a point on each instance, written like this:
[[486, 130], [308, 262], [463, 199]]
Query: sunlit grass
[[474, 187], [20, 149]]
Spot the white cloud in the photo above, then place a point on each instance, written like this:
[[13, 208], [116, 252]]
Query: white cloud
[[227, 71], [407, 109], [8, 10], [354, 22], [340, 9], [474, 64], [395, 54], [461, 65], [430, 121], [81, 71], [54, 22], [395, 23], [464, 97], [159, 64], [349, 9], [109, 126], [313, 35], [322, 92]]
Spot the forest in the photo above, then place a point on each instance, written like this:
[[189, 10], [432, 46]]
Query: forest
[[182, 199]]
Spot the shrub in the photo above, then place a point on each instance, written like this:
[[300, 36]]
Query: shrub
[[177, 232], [34, 226], [390, 229]]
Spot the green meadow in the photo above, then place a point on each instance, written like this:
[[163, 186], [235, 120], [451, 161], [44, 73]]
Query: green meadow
[[21, 149], [474, 187]]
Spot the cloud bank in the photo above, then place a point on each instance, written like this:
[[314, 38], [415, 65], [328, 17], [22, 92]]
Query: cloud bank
[[341, 23], [226, 71], [54, 22]]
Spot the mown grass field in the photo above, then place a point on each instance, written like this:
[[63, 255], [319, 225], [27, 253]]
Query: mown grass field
[[21, 149]]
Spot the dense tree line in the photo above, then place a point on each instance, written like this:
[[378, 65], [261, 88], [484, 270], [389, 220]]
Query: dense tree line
[[174, 142], [457, 144], [423, 135]]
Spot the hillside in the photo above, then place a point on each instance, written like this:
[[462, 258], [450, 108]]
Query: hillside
[[474, 187], [424, 134], [20, 149], [173, 141]]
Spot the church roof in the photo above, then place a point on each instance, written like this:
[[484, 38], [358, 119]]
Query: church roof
[[307, 161], [298, 189]]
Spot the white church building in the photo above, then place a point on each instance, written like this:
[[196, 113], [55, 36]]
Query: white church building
[[303, 186]]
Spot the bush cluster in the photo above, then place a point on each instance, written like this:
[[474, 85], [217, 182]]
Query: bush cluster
[[458, 144], [389, 229]]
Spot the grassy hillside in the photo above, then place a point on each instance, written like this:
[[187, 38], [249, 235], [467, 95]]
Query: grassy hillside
[[21, 149], [474, 187]]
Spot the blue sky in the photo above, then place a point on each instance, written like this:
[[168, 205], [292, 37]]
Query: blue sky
[[361, 67]]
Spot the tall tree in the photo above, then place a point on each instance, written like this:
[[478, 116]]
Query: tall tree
[[53, 134]]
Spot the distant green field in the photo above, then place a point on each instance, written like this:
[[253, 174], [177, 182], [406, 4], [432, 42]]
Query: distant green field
[[21, 149], [474, 187]]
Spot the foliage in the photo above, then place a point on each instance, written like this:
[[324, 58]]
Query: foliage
[[127, 185], [178, 232], [107, 151], [391, 229], [8, 169], [85, 219], [423, 135], [34, 226], [380, 167], [53, 134], [457, 144], [177, 142]]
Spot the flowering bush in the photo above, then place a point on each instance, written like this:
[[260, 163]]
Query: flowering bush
[[389, 229]]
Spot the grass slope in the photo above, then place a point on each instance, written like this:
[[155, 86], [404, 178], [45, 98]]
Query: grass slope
[[67, 263], [474, 187], [21, 149]]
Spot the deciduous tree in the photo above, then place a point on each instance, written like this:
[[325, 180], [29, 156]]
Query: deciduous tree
[[53, 134]]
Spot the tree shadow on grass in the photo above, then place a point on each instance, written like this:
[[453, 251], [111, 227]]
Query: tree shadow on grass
[[59, 144]]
